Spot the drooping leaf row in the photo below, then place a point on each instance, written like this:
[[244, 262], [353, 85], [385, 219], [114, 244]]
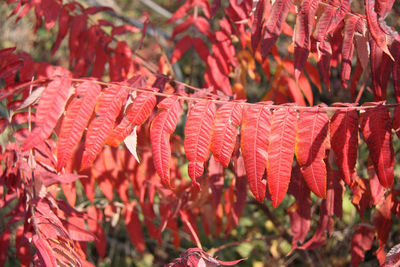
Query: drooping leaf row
[[269, 137]]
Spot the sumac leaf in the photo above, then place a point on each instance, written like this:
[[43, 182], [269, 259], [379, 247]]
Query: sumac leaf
[[110, 103], [162, 127], [78, 113], [223, 138], [198, 131], [256, 126], [50, 108], [377, 131], [280, 152], [313, 126], [344, 141]]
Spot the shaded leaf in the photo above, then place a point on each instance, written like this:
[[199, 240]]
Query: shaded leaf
[[313, 126], [377, 131]]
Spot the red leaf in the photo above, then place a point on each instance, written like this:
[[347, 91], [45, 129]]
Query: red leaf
[[181, 47], [299, 212], [63, 25], [46, 257], [273, 24], [373, 26], [96, 216], [344, 141], [255, 130], [361, 242], [51, 9], [382, 220], [280, 152], [310, 148], [223, 138], [257, 24], [11, 68], [134, 228], [77, 116], [396, 121], [303, 28], [324, 60], [183, 26], [4, 244], [377, 132], [162, 127], [49, 110], [76, 231], [198, 136], [201, 48], [110, 103], [395, 49], [348, 48], [141, 108]]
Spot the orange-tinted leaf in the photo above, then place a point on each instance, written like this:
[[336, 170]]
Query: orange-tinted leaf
[[256, 126], [223, 138], [280, 152], [76, 118], [198, 136], [162, 127], [377, 131], [110, 103], [311, 140], [50, 108], [344, 141]]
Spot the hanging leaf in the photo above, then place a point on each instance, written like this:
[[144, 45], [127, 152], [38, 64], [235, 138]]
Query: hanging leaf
[[299, 212], [310, 148], [162, 127], [373, 26], [377, 131], [110, 103], [134, 228], [256, 126], [273, 25], [344, 141], [280, 152], [223, 138], [361, 242], [77, 116], [303, 28], [198, 137], [50, 108], [348, 48]]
